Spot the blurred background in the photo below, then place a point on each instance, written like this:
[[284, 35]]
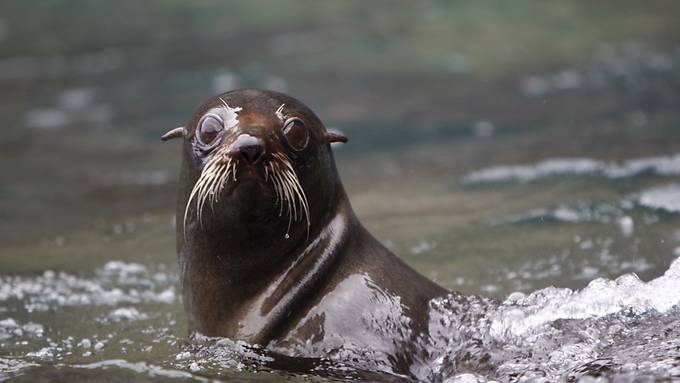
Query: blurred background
[[495, 146]]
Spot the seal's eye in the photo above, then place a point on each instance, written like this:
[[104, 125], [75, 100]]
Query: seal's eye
[[296, 133], [208, 128]]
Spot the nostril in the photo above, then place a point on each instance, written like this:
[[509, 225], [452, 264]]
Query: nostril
[[251, 153], [247, 147]]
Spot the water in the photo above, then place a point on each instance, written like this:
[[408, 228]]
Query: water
[[620, 328], [547, 158]]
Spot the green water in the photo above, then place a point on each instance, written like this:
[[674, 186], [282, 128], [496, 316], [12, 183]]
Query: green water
[[427, 93]]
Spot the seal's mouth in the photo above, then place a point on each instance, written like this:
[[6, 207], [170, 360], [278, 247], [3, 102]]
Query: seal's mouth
[[223, 170]]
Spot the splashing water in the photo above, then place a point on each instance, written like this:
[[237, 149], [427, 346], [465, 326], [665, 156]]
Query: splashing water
[[615, 328]]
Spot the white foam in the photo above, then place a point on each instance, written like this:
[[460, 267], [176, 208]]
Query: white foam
[[207, 353], [12, 366], [116, 283], [118, 267], [126, 314], [526, 173], [665, 166], [626, 225], [628, 293], [10, 328], [140, 368], [664, 198], [575, 213]]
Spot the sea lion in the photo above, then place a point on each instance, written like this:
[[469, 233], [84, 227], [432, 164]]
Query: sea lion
[[269, 248]]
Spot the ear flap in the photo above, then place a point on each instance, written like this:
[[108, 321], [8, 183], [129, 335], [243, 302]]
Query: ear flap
[[332, 137], [174, 133]]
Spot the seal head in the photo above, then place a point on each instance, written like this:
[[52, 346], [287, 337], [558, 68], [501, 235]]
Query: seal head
[[269, 247], [257, 159]]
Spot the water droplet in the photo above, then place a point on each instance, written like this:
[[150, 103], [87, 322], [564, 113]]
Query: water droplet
[[287, 236]]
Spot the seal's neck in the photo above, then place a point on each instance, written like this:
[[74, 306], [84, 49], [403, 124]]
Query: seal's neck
[[250, 303], [285, 293]]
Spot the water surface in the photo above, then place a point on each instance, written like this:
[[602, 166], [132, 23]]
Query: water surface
[[551, 157]]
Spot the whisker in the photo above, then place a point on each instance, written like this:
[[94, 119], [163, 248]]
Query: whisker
[[294, 192], [224, 103], [286, 182], [276, 188], [210, 183], [290, 192], [199, 189], [201, 195], [302, 197], [216, 186], [288, 202], [279, 192], [234, 169], [279, 172], [223, 179], [294, 180], [284, 192]]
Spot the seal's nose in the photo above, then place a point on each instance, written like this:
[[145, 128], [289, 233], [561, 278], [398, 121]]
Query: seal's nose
[[247, 147]]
